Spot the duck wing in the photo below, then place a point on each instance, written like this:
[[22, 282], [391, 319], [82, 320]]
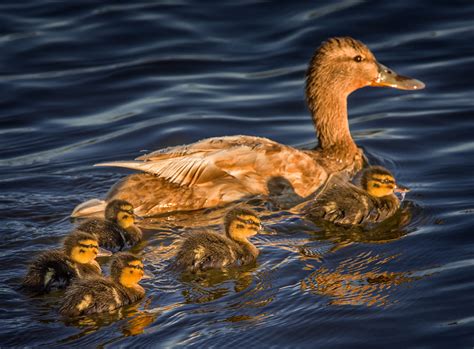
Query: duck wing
[[250, 162]]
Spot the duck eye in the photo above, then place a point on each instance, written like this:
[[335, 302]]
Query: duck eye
[[376, 185], [358, 58]]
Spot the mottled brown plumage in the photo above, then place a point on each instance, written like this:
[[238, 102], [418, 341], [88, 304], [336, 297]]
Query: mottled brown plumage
[[118, 230], [100, 294], [55, 269], [220, 170], [343, 203], [210, 250]]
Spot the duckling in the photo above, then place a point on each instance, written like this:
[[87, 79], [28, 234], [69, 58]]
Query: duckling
[[103, 294], [209, 250], [56, 269], [217, 171], [118, 230], [346, 204]]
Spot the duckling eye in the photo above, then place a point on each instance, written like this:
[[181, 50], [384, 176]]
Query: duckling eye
[[82, 251], [240, 226], [358, 58], [376, 185]]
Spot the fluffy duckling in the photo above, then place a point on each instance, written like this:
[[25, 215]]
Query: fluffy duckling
[[100, 294], [209, 250], [118, 230], [56, 269], [347, 204]]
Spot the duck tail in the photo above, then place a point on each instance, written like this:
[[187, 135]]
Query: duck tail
[[90, 208]]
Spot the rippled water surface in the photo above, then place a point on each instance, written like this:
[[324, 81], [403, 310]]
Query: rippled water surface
[[85, 81]]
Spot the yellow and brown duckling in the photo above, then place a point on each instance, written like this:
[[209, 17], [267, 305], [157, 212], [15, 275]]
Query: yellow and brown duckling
[[56, 269], [118, 230], [103, 294], [210, 250], [347, 204]]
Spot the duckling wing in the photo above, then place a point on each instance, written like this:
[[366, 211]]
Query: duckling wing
[[340, 202], [109, 235], [50, 270], [246, 163], [89, 296], [206, 250]]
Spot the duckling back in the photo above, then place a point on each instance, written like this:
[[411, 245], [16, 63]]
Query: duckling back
[[55, 270], [94, 295], [346, 204], [110, 235], [209, 250]]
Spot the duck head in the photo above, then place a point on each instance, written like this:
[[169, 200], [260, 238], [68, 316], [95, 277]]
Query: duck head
[[120, 212], [379, 182], [241, 223], [349, 64], [127, 269], [339, 67], [83, 247]]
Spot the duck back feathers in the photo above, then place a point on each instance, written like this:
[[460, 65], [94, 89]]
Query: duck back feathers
[[97, 295], [55, 270], [110, 235], [209, 250]]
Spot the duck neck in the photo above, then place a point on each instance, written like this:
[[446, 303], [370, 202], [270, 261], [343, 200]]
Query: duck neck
[[326, 95], [329, 113], [243, 241]]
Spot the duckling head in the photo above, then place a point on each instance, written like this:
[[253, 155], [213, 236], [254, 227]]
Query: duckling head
[[379, 182], [127, 269], [241, 223], [347, 65], [81, 247], [120, 212]]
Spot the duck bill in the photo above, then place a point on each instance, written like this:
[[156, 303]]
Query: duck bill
[[401, 189], [138, 218], [147, 275], [388, 78], [103, 252]]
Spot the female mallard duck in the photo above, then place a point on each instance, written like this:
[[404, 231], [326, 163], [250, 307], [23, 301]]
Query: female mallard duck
[[55, 269], [219, 170], [118, 230], [100, 294], [346, 204], [209, 250]]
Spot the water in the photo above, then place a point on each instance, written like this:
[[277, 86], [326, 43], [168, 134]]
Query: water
[[86, 82]]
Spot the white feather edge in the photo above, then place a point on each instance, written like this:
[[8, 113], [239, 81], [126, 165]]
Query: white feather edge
[[89, 208]]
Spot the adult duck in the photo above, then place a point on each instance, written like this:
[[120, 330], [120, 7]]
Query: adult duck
[[220, 170]]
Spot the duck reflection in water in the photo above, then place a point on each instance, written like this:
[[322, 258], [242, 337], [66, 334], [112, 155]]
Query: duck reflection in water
[[131, 319], [357, 280]]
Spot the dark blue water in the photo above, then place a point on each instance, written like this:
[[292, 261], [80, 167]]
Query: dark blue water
[[84, 82]]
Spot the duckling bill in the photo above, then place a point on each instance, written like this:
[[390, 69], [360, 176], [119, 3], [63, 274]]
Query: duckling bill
[[100, 294], [346, 204], [57, 268], [118, 230], [210, 250]]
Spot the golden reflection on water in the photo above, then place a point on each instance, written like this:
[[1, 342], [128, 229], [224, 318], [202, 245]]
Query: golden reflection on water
[[358, 280], [133, 321]]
